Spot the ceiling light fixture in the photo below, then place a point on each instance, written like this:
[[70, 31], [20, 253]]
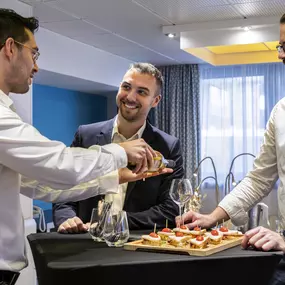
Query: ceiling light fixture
[[171, 35], [247, 28]]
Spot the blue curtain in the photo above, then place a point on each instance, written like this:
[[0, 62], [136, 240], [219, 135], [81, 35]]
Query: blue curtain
[[178, 112]]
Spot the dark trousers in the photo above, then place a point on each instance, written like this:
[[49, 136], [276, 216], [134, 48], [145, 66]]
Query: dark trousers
[[279, 274], [8, 277]]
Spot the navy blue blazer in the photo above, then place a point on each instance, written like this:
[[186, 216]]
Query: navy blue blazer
[[146, 202]]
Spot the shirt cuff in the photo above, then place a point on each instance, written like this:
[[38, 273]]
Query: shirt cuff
[[235, 211], [119, 153], [109, 184]]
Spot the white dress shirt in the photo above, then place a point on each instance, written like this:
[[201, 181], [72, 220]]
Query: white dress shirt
[[268, 166], [25, 152], [118, 199]]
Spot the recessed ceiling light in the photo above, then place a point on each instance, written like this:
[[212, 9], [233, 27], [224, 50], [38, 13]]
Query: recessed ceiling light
[[246, 28], [171, 35]]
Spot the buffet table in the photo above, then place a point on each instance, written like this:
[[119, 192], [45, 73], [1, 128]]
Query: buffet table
[[77, 259]]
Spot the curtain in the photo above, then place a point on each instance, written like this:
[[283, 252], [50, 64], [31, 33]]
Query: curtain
[[178, 112], [236, 102]]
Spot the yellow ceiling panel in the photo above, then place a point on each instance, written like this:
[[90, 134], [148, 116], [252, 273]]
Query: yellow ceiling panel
[[271, 45], [238, 48], [234, 58]]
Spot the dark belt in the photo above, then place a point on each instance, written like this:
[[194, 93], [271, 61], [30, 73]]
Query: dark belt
[[8, 277]]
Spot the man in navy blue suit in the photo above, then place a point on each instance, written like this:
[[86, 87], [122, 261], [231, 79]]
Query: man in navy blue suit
[[146, 202]]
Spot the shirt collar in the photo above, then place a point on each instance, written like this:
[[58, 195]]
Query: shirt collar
[[137, 135], [5, 99]]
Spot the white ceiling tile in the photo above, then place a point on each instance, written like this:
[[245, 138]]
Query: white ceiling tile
[[183, 11], [112, 15], [30, 1], [258, 9], [48, 14], [73, 29], [137, 53], [247, 1], [103, 40], [156, 5]]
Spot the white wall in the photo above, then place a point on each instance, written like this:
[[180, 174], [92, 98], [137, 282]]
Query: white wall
[[66, 56], [23, 105]]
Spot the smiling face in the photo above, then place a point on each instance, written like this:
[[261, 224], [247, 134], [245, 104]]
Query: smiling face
[[22, 65], [138, 93]]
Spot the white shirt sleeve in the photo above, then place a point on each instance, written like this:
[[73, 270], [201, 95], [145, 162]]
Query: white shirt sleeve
[[107, 184], [258, 183], [24, 150]]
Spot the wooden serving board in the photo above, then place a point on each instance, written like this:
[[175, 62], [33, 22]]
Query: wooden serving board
[[211, 248]]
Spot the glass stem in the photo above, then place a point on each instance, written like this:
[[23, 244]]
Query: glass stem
[[180, 213]]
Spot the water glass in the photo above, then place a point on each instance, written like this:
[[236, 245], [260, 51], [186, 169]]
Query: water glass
[[116, 229], [97, 220]]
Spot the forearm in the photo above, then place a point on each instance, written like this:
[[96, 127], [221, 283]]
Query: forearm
[[218, 215], [107, 184], [249, 192], [24, 150]]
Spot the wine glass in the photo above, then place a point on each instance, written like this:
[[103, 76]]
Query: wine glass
[[180, 192], [116, 228]]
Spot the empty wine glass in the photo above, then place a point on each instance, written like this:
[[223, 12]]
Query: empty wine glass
[[116, 229], [97, 220], [180, 192]]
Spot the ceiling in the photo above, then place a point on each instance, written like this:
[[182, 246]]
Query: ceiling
[[133, 28]]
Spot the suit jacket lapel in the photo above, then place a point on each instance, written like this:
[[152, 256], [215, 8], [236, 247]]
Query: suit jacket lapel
[[105, 136]]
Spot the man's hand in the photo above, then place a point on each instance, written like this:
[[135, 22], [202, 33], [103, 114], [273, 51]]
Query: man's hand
[[192, 219], [126, 175], [262, 238], [73, 225], [139, 153]]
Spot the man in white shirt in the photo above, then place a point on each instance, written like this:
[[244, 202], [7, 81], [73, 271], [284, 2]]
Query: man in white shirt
[[28, 157], [268, 167]]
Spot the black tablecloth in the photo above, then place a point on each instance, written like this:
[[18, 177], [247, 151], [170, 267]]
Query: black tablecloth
[[77, 259]]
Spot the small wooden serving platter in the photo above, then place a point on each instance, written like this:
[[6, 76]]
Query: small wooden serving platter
[[210, 249]]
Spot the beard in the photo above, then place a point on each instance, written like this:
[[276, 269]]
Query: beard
[[129, 115], [19, 77]]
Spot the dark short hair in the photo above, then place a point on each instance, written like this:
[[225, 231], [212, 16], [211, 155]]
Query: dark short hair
[[147, 68], [13, 25], [282, 19]]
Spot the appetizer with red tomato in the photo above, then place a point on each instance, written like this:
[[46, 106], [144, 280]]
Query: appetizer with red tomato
[[179, 239], [229, 234], [215, 236], [165, 233], [183, 229], [199, 242], [197, 231], [151, 239]]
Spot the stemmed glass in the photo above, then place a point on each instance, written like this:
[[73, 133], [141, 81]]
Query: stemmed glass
[[180, 192]]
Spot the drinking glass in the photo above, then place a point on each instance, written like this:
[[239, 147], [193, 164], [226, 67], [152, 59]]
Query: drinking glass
[[180, 192], [97, 220], [116, 229]]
